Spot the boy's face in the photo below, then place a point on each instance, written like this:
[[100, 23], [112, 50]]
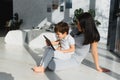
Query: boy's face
[[60, 35]]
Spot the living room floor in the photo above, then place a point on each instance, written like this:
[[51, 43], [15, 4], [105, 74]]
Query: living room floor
[[17, 61]]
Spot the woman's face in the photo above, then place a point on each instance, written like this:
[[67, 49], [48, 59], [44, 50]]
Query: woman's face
[[78, 26]]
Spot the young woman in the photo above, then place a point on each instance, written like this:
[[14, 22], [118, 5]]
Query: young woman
[[86, 37]]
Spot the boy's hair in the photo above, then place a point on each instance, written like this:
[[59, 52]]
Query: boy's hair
[[61, 27]]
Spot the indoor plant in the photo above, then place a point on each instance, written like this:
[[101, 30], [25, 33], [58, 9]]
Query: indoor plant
[[79, 11]]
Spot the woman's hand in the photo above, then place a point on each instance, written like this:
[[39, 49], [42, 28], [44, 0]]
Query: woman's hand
[[95, 57], [103, 69]]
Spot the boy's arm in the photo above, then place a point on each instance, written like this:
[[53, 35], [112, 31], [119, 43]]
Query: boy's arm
[[55, 42], [71, 49]]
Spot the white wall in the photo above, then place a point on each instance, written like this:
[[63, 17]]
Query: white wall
[[31, 11], [102, 12], [34, 11]]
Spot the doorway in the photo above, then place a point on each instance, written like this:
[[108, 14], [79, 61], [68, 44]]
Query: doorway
[[113, 41], [6, 12]]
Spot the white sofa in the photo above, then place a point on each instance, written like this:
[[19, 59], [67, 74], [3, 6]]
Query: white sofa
[[21, 37], [16, 37]]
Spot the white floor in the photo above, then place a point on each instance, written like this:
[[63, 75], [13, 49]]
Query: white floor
[[16, 63]]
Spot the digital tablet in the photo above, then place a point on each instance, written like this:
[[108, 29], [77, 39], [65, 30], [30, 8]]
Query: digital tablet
[[49, 42]]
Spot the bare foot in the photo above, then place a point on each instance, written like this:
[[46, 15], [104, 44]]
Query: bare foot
[[39, 69]]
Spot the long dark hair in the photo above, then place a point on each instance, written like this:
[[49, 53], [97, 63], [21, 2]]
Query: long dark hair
[[88, 27]]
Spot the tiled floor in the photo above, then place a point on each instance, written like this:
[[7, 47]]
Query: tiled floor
[[16, 62]]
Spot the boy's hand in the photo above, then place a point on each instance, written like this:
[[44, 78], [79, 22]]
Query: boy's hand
[[47, 43], [58, 49]]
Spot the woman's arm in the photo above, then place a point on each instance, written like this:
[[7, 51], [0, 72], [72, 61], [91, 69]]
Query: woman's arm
[[94, 49]]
